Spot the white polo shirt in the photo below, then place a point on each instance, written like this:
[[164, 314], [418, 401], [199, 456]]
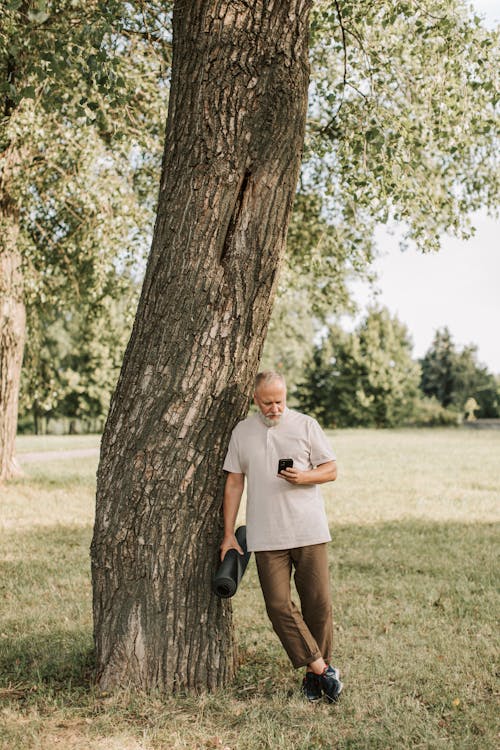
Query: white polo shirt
[[280, 515]]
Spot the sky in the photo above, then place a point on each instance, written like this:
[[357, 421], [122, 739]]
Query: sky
[[459, 287]]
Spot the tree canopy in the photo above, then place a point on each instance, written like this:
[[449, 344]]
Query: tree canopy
[[402, 115], [72, 361], [82, 98], [401, 127]]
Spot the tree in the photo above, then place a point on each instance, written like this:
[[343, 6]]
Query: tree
[[453, 377], [437, 368], [234, 140], [235, 131], [74, 196], [72, 359], [364, 378]]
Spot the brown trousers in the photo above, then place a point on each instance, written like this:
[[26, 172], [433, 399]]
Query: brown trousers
[[306, 635]]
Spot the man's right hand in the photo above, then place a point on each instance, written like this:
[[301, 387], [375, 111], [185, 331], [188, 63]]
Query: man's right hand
[[229, 542]]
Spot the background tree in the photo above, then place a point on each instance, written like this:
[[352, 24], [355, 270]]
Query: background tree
[[75, 196], [453, 377], [437, 368], [401, 127], [321, 259], [72, 360], [363, 378]]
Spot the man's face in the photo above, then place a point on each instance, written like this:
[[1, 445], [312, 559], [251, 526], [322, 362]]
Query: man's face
[[271, 400]]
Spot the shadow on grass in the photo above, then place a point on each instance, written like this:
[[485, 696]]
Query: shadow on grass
[[45, 627], [63, 549], [63, 660]]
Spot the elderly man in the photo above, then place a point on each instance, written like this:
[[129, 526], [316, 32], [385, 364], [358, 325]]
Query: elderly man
[[286, 525]]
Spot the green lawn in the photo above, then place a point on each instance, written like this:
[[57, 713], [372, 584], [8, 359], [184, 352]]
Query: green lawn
[[414, 519]]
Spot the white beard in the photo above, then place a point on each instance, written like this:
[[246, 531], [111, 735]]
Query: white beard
[[271, 422]]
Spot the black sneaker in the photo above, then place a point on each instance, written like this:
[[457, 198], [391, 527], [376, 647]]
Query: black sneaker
[[330, 684], [311, 687]]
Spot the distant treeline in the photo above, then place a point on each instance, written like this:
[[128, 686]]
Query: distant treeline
[[368, 378], [363, 378]]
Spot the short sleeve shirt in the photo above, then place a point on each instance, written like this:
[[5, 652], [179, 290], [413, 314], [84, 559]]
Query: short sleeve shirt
[[280, 515]]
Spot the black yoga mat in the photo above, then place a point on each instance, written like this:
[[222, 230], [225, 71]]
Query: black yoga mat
[[230, 571]]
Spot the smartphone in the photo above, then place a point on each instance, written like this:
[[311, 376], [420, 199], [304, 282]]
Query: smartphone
[[284, 463]]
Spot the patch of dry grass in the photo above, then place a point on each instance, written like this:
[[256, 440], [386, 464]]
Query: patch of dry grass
[[38, 443], [432, 474], [50, 493]]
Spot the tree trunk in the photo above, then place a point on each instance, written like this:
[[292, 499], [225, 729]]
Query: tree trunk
[[234, 138], [12, 336], [35, 417]]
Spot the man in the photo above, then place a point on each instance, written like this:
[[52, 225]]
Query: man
[[286, 525]]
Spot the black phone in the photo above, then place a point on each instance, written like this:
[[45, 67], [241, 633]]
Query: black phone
[[284, 463]]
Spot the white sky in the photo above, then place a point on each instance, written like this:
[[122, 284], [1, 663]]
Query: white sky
[[459, 287], [489, 9]]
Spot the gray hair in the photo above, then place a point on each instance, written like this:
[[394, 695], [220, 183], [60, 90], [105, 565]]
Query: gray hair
[[267, 376]]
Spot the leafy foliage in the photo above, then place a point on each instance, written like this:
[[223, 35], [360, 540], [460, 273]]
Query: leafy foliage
[[83, 105], [366, 377], [80, 58], [321, 259], [83, 101], [401, 127], [402, 122], [455, 377], [73, 359]]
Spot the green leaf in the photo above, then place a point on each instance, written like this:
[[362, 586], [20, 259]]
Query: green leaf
[[28, 92]]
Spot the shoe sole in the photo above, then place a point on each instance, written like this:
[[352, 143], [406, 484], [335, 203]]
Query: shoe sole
[[313, 700]]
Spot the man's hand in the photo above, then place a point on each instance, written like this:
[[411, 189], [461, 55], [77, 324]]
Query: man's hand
[[294, 476], [326, 472], [229, 542]]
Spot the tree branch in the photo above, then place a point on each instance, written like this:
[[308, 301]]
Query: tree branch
[[344, 31], [344, 42]]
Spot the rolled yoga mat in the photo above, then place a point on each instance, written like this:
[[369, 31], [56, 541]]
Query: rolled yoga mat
[[230, 571]]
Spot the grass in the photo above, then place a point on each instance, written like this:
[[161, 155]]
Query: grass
[[29, 443], [414, 519]]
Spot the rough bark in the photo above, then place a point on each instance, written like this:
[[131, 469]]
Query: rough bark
[[234, 138], [12, 336]]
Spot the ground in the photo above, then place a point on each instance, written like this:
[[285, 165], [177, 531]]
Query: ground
[[414, 520]]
